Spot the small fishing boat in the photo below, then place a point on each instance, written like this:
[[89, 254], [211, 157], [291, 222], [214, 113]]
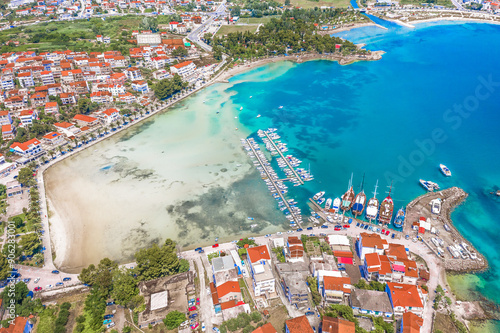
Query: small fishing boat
[[318, 195], [258, 116], [328, 204], [241, 108], [445, 170], [280, 107], [399, 220], [321, 201], [251, 96], [428, 185]]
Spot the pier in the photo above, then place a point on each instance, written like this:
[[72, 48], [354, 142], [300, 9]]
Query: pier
[[273, 182], [285, 159]]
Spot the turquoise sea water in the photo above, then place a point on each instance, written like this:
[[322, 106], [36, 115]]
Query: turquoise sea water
[[428, 101]]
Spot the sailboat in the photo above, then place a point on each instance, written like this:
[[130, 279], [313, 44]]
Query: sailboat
[[348, 197], [372, 207], [359, 201], [386, 209]]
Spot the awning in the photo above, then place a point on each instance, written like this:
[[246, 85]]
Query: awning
[[344, 260], [421, 230]]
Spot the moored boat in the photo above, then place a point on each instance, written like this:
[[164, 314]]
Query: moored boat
[[428, 185], [319, 195], [372, 207], [336, 205], [445, 170], [328, 204], [359, 201], [348, 197], [399, 220], [386, 209], [436, 206]]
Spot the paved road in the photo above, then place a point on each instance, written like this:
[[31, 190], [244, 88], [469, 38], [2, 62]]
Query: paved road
[[195, 35]]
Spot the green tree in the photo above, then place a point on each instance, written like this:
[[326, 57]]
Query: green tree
[[157, 261], [100, 277], [4, 267], [25, 177], [184, 265], [245, 241], [167, 87], [174, 319], [149, 23], [124, 287], [179, 52], [30, 243], [18, 221], [95, 306]]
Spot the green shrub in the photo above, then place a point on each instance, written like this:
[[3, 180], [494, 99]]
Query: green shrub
[[223, 328], [232, 324], [60, 329], [80, 319], [80, 327], [174, 319], [256, 316], [65, 306], [248, 329], [127, 329]]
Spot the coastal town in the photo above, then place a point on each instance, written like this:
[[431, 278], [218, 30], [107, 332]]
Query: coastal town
[[75, 73]]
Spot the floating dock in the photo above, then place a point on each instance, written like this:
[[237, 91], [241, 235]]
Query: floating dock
[[296, 174]]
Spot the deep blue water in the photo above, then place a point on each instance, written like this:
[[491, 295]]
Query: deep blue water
[[426, 102]]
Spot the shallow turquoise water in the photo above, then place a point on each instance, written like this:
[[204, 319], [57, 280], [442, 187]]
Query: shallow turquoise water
[[395, 120]]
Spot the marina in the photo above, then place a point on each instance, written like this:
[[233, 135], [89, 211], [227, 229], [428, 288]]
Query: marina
[[274, 184]]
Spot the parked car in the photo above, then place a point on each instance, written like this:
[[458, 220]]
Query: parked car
[[201, 251], [309, 228], [107, 321], [309, 313], [198, 301], [338, 228], [67, 279], [357, 224], [195, 326], [55, 271], [110, 303], [324, 226], [194, 315], [366, 227], [59, 284], [193, 308], [109, 316], [393, 235], [346, 226], [203, 327], [111, 324], [48, 286], [300, 229], [215, 245], [26, 280], [387, 232], [37, 288], [383, 231], [216, 330], [36, 280], [198, 249]]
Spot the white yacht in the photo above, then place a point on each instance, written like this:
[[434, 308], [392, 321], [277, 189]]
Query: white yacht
[[445, 170]]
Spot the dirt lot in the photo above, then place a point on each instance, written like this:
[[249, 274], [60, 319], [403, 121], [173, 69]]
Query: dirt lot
[[443, 322], [277, 314]]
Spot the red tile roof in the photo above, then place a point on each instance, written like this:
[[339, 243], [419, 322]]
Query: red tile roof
[[183, 64], [82, 117], [299, 325], [372, 240], [337, 283], [228, 287], [109, 112], [404, 295], [63, 125], [337, 325], [411, 323], [16, 327], [51, 135], [258, 253], [25, 145], [267, 328]]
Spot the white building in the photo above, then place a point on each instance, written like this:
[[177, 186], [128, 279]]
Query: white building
[[261, 271]]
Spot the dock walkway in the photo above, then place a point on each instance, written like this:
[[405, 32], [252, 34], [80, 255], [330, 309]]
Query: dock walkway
[[273, 181], [285, 159]]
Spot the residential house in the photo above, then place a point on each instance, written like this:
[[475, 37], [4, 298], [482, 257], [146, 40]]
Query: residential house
[[292, 279], [83, 120], [266, 328], [298, 325], [371, 302], [127, 98], [370, 243], [335, 289], [15, 103], [20, 325], [184, 69], [294, 250], [28, 149], [406, 297], [140, 86], [228, 291], [411, 323], [39, 99], [51, 108], [5, 118], [321, 269], [133, 73], [117, 78], [67, 129], [224, 270], [5, 169], [47, 77], [260, 270], [27, 117], [101, 97], [8, 132], [53, 138], [109, 116], [337, 325], [7, 81], [68, 98], [26, 79]]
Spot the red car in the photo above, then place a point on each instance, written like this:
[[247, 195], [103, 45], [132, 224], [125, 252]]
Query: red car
[[37, 288], [193, 308], [346, 226], [215, 245], [383, 231], [387, 233], [198, 301], [337, 228]]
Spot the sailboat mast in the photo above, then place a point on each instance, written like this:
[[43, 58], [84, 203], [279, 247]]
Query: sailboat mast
[[375, 192]]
